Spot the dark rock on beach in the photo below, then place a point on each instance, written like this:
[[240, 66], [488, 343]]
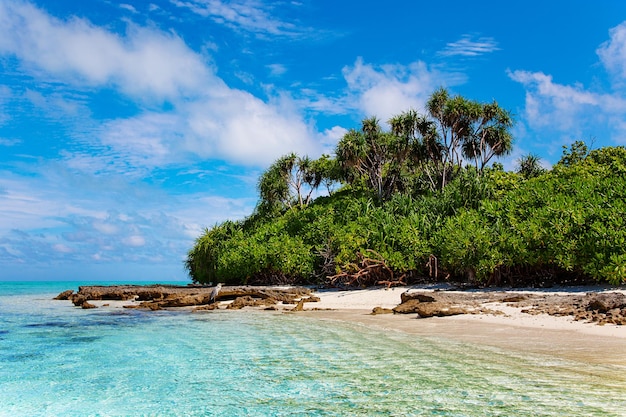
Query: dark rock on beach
[[596, 307], [380, 310], [157, 297], [427, 305]]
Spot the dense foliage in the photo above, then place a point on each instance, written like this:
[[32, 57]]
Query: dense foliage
[[408, 210]]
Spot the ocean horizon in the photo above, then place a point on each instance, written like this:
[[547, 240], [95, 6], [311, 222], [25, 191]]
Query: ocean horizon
[[59, 360]]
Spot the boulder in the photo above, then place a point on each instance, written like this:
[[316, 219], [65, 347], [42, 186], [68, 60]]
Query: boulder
[[408, 307], [438, 309], [87, 305], [380, 310], [77, 299], [421, 297], [65, 295], [605, 302], [247, 301]]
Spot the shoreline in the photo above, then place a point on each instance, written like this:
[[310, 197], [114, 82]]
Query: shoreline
[[494, 324], [561, 337], [564, 343]]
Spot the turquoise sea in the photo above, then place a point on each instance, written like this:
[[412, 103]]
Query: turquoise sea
[[57, 360]]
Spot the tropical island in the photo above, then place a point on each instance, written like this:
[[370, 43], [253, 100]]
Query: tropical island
[[412, 218], [426, 201]]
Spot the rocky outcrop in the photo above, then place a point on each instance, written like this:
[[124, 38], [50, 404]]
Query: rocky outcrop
[[65, 295], [157, 297], [438, 309], [249, 301], [430, 305]]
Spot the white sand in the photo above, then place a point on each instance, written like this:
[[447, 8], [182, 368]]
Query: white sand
[[513, 330]]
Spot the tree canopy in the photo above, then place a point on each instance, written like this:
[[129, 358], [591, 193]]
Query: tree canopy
[[423, 201]]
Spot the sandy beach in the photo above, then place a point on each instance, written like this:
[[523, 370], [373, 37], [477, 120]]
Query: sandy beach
[[513, 330], [499, 324]]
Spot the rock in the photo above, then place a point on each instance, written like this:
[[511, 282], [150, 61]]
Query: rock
[[87, 305], [206, 307], [247, 301], [408, 307], [169, 296], [605, 302], [438, 309], [77, 299], [514, 299], [380, 310], [65, 295], [175, 300], [424, 298], [299, 306], [152, 306]]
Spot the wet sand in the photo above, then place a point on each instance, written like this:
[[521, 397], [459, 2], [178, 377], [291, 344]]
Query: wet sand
[[513, 330]]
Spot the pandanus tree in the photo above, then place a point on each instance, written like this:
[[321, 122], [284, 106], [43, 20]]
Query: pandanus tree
[[418, 144], [529, 166], [488, 134], [290, 182], [468, 131], [372, 157]]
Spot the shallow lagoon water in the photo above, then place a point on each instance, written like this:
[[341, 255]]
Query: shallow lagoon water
[[56, 360]]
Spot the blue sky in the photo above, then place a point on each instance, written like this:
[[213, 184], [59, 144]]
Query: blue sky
[[128, 127]]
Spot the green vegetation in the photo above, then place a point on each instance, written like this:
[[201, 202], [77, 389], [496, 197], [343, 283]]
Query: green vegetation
[[422, 202]]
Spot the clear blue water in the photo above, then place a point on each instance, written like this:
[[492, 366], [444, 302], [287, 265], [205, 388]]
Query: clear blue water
[[57, 360]]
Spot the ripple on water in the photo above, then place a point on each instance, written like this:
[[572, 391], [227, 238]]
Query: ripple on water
[[256, 364]]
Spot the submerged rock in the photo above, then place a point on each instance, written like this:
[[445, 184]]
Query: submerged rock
[[65, 295]]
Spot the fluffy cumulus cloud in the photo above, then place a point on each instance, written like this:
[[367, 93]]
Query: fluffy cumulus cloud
[[575, 111], [387, 90], [88, 200], [144, 63], [148, 65]]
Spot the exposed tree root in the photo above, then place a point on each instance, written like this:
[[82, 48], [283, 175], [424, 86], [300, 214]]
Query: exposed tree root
[[370, 270]]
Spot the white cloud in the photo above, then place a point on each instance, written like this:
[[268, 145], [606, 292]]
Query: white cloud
[[128, 7], [277, 70], [612, 54], [146, 63], [390, 89], [45, 219], [248, 15], [59, 247], [246, 130], [570, 109], [469, 47], [570, 112], [134, 241], [330, 138], [208, 118], [9, 142]]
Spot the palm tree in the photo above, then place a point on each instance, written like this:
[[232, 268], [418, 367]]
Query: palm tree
[[529, 166]]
